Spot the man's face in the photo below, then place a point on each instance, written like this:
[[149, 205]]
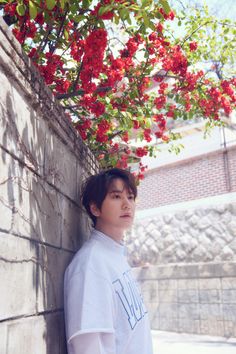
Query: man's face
[[117, 210]]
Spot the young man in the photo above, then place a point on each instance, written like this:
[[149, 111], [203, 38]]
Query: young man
[[104, 311]]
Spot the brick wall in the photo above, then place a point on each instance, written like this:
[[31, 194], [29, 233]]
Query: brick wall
[[199, 177], [42, 163]]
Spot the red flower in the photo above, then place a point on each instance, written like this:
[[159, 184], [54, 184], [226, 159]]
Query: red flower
[[169, 16], [108, 15], [10, 9], [136, 124], [140, 152], [193, 46], [160, 101], [125, 137], [147, 134], [97, 108]]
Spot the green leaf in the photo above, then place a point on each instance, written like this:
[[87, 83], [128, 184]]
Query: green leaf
[[86, 4], [104, 9], [165, 6], [152, 26], [62, 2], [66, 34], [124, 13], [20, 9], [116, 19], [78, 18], [50, 4], [145, 3], [145, 19], [33, 11]]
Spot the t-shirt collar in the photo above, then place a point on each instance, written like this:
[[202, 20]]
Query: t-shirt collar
[[107, 240]]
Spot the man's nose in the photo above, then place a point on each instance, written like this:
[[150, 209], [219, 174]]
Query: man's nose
[[126, 203]]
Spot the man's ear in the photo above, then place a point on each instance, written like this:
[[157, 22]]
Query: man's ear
[[94, 209]]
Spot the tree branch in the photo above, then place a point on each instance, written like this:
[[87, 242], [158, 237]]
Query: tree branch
[[81, 92]]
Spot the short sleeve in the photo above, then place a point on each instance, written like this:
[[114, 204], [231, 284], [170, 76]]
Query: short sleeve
[[92, 343], [88, 303]]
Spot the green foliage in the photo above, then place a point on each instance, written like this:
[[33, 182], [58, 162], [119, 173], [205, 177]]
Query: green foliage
[[144, 33]]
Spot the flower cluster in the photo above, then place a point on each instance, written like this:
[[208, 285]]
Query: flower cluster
[[113, 93]]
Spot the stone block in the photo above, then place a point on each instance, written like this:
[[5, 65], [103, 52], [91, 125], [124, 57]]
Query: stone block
[[229, 283], [22, 131], [3, 338], [18, 274], [230, 329], [214, 328], [229, 296], [232, 228], [168, 296], [149, 289], [188, 326], [229, 312], [153, 310], [60, 166], [38, 210], [168, 324], [74, 225], [227, 254], [210, 296], [228, 270], [170, 284], [187, 284], [188, 311], [211, 312], [7, 193], [213, 283], [169, 310], [155, 322], [52, 265], [38, 334], [188, 296]]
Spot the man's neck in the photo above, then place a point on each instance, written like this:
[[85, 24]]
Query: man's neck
[[113, 233]]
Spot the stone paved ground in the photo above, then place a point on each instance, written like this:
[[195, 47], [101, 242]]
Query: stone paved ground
[[181, 343]]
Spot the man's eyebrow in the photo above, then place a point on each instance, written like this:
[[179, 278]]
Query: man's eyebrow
[[119, 191], [115, 191]]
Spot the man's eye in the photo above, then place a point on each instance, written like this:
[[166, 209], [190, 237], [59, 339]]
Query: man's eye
[[131, 197], [116, 196]]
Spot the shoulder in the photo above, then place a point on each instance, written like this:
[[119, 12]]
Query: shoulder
[[91, 258]]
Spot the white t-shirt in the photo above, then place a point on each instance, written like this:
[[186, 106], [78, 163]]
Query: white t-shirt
[[104, 311]]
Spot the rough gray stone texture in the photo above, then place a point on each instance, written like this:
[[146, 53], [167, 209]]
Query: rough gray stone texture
[[40, 334], [42, 164], [191, 298], [206, 234]]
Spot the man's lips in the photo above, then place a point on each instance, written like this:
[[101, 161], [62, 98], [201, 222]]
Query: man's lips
[[126, 216]]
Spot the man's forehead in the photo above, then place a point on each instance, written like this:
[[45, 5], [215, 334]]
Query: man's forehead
[[118, 185]]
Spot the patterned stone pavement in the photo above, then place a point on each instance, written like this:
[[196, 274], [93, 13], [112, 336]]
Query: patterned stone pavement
[[181, 343]]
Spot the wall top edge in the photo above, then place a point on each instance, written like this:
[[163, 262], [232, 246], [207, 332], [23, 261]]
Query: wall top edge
[[186, 271], [213, 201]]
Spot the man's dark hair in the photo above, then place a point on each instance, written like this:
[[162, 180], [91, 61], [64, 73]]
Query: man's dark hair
[[96, 187]]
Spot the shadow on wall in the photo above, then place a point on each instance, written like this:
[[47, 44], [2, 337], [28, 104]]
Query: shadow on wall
[[41, 226]]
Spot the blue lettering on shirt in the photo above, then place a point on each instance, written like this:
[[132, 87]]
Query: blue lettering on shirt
[[130, 298]]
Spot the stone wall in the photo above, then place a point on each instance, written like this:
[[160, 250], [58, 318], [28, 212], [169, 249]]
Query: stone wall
[[186, 255], [42, 164], [191, 298], [204, 233]]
